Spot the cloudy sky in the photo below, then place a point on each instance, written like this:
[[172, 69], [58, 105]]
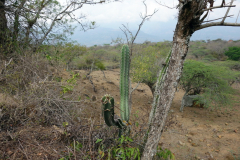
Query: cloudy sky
[[114, 14], [127, 11]]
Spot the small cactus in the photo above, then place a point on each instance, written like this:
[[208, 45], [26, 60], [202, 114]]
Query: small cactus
[[108, 112]]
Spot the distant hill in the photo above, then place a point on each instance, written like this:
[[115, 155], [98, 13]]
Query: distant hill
[[152, 31], [103, 35]]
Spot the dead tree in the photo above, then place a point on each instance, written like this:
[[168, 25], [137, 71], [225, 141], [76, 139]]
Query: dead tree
[[191, 16]]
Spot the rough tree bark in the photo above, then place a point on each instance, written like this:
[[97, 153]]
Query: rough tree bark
[[189, 20], [3, 27]]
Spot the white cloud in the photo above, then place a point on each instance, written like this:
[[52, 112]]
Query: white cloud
[[128, 11]]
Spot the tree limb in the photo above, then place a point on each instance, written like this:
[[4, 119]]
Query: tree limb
[[215, 7], [134, 88], [133, 38], [237, 16], [227, 12], [216, 19], [164, 5], [217, 24]]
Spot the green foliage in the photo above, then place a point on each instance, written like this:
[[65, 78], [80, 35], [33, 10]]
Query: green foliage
[[164, 154], [87, 60], [71, 51], [123, 150], [64, 54], [234, 65], [198, 49], [210, 50], [146, 63], [100, 65], [76, 146], [233, 53], [71, 82], [211, 81]]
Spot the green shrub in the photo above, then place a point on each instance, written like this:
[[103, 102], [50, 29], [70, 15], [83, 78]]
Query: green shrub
[[233, 53], [164, 154], [210, 81], [100, 65]]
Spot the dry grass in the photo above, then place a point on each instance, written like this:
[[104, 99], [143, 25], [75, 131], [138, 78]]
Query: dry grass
[[47, 113]]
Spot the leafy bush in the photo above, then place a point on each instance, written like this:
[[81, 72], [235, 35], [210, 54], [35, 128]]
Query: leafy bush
[[233, 53], [100, 65], [211, 81], [164, 154]]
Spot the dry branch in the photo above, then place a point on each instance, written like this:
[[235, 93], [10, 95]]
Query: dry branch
[[215, 7], [237, 16], [217, 24], [216, 19], [227, 12]]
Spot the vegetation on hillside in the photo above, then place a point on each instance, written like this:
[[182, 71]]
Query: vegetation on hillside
[[46, 96], [233, 53]]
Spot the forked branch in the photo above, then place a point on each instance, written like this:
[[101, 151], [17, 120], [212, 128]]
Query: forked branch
[[227, 12], [222, 22]]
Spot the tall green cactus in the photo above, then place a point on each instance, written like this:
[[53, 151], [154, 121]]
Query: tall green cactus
[[124, 83], [108, 101]]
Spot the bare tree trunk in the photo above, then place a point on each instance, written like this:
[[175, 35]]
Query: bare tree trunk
[[16, 24], [166, 89], [190, 19], [3, 28]]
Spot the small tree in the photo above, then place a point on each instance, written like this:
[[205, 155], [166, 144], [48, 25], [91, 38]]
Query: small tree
[[71, 51], [191, 17], [233, 53], [147, 62], [209, 81]]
